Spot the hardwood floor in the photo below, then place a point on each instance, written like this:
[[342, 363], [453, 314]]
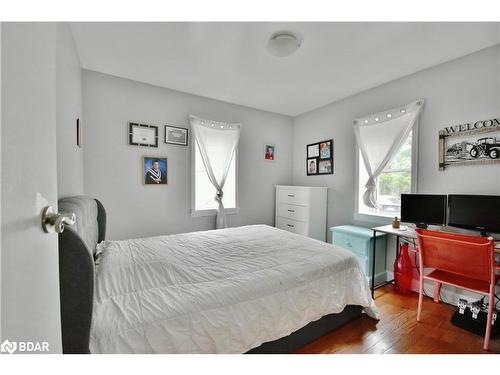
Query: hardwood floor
[[399, 332]]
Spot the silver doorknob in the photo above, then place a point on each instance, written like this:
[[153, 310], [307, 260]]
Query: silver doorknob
[[53, 222]]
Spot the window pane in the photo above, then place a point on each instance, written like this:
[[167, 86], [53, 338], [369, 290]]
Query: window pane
[[204, 190], [391, 186], [402, 160]]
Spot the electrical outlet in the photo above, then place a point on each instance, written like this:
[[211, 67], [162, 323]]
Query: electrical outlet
[[462, 304], [475, 308]]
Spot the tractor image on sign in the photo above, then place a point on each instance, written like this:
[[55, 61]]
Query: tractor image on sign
[[486, 146]]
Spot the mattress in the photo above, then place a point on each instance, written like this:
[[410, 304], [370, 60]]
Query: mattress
[[218, 291]]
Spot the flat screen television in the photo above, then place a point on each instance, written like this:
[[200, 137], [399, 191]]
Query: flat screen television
[[423, 209], [476, 212]]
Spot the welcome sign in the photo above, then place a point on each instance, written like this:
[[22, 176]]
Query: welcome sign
[[471, 143]]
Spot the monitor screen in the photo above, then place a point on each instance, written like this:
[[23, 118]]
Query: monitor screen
[[479, 212], [426, 209]]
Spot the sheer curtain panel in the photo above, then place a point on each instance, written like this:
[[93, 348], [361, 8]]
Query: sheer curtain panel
[[379, 137], [217, 142]]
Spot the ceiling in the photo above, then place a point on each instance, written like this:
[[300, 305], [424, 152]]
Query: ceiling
[[230, 62]]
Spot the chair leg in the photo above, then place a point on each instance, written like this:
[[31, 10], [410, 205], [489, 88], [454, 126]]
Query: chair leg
[[437, 288], [420, 300], [491, 306]]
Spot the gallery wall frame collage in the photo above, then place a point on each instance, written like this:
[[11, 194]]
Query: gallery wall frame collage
[[319, 158], [155, 168]]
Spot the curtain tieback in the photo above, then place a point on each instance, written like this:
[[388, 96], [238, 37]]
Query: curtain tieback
[[369, 195], [218, 196], [371, 185]]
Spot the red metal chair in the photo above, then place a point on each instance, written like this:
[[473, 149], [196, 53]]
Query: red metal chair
[[466, 262]]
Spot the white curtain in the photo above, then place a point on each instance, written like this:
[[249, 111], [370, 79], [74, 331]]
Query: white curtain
[[380, 137], [217, 142]]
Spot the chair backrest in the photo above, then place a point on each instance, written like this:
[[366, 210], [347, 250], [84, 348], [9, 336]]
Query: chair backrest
[[469, 256]]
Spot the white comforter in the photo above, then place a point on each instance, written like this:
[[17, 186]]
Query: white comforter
[[219, 291]]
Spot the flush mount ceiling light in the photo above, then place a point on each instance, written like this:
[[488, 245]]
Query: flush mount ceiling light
[[283, 43]]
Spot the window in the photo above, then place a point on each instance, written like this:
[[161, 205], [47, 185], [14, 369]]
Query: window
[[397, 178], [203, 191]]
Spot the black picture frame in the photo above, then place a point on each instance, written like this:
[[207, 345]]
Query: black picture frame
[[78, 133], [136, 125], [176, 143], [319, 158]]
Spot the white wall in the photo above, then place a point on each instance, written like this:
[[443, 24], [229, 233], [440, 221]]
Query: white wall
[[69, 108], [112, 168], [30, 269], [455, 92], [458, 91]]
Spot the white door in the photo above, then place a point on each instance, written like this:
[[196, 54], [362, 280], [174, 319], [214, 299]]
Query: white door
[[29, 257]]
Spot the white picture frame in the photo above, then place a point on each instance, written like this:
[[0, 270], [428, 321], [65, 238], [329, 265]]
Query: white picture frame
[[269, 152]]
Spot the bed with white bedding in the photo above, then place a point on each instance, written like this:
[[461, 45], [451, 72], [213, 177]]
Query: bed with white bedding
[[219, 291]]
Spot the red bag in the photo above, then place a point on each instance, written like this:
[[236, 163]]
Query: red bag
[[403, 271]]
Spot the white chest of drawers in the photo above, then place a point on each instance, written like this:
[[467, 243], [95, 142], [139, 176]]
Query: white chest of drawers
[[302, 210]]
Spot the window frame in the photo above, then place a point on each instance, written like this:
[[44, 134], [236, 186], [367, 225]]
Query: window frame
[[379, 218], [211, 211]]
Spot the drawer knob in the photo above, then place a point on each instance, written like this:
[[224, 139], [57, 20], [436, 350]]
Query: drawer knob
[[291, 195], [291, 210], [290, 225]]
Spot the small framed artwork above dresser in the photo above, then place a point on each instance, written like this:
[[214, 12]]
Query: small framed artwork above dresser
[[302, 210]]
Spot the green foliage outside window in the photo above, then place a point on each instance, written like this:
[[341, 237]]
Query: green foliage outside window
[[396, 177]]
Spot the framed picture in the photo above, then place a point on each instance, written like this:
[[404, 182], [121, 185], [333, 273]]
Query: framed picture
[[176, 136], [470, 144], [142, 135], [154, 170], [269, 152], [78, 133], [312, 166], [325, 150], [313, 150], [319, 158]]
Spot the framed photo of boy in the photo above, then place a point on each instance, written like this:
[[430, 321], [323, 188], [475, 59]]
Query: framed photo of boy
[[319, 158], [269, 152], [154, 170]]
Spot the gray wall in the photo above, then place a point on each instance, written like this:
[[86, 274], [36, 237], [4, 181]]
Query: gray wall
[[459, 91], [69, 108], [30, 269], [112, 168], [1, 26]]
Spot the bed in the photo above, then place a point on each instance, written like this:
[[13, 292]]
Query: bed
[[250, 289]]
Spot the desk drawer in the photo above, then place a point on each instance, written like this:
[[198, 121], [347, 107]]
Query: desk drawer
[[293, 196], [293, 226], [290, 211], [357, 245]]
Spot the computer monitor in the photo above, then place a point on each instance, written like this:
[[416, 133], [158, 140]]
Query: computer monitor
[[476, 212], [423, 209]]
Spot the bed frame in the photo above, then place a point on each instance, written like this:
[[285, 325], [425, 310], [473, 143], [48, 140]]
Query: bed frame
[[76, 277]]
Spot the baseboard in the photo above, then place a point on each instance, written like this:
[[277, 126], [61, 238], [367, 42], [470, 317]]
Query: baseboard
[[380, 278], [449, 294]]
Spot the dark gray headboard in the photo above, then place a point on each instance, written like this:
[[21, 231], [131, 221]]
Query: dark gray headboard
[[77, 245]]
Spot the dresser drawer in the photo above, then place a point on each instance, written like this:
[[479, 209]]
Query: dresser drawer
[[290, 225], [291, 211], [293, 196], [357, 245]]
